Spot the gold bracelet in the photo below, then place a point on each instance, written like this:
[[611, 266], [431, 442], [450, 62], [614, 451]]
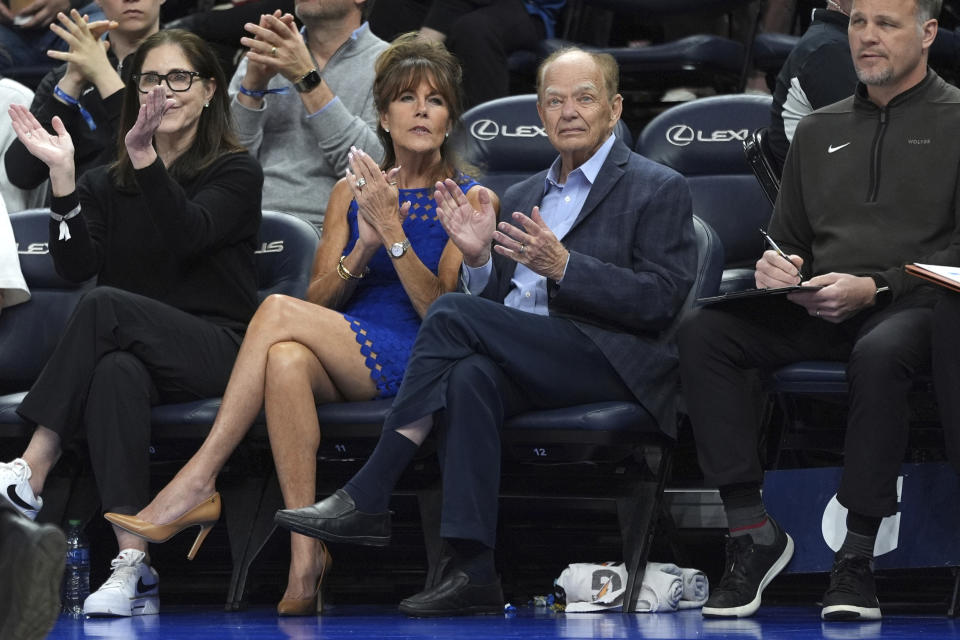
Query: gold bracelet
[[345, 274]]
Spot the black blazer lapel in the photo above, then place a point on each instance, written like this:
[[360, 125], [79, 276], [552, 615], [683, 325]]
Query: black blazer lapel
[[611, 171]]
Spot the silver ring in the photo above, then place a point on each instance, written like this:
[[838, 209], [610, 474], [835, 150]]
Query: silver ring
[[29, 135], [818, 313], [523, 247], [393, 183], [273, 52], [361, 182]]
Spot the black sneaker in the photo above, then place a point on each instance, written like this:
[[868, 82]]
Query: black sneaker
[[852, 594], [750, 568]]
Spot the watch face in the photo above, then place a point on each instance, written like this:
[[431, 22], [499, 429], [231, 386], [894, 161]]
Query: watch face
[[396, 250]]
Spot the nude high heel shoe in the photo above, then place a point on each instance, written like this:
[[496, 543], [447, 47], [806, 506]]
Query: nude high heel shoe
[[204, 515], [314, 604]]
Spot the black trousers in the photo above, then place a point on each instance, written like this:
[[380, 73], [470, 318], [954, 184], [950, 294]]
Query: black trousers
[[121, 353], [884, 350], [482, 362], [946, 371], [481, 33]]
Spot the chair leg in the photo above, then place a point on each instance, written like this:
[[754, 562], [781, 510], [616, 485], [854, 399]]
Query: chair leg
[[251, 505], [955, 598], [638, 516]]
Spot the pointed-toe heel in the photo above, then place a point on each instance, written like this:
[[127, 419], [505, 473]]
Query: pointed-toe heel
[[313, 605], [204, 515]]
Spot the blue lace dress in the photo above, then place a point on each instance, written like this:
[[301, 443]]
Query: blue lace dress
[[380, 313]]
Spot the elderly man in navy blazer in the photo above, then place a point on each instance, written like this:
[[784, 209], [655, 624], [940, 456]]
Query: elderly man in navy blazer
[[589, 267]]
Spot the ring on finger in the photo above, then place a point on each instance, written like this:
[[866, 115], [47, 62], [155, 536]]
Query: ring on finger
[[818, 313], [273, 52], [523, 247], [361, 182]]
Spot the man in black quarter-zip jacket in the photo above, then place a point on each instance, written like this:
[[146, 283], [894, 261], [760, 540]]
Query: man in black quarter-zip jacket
[[869, 185]]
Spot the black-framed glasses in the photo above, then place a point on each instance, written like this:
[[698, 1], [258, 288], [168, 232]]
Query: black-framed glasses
[[177, 80]]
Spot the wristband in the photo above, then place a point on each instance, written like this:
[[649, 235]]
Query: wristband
[[64, 228], [259, 93], [61, 94]]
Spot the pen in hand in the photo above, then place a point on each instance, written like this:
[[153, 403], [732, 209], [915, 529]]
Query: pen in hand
[[773, 245]]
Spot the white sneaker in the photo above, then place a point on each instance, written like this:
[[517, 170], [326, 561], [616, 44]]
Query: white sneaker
[[133, 589], [15, 488]]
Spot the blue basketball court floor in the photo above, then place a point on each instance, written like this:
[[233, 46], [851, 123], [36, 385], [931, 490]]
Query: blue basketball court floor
[[358, 622]]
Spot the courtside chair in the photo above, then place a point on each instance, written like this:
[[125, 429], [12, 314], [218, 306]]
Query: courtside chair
[[504, 139], [703, 140]]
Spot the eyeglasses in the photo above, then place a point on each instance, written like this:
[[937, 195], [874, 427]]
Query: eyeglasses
[[177, 80]]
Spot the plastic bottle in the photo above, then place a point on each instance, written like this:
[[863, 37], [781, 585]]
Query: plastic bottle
[[76, 575]]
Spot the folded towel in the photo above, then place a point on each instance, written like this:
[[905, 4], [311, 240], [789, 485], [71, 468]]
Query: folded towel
[[601, 586], [593, 586], [696, 589], [661, 589]]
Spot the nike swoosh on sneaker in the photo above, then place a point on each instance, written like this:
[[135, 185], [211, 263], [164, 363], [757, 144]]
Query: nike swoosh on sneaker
[[143, 588], [833, 149], [17, 500]]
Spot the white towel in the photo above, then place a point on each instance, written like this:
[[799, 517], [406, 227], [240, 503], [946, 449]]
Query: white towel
[[696, 589], [593, 586], [661, 589]]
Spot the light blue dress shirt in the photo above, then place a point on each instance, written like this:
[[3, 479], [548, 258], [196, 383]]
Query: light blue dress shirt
[[559, 208]]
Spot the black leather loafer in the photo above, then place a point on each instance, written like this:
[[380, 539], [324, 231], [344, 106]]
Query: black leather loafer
[[455, 596], [336, 519]]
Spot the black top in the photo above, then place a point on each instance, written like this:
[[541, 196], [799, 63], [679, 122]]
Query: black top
[[91, 148], [819, 71], [189, 245]]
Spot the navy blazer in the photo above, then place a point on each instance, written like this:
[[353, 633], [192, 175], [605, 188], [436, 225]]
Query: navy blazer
[[632, 261]]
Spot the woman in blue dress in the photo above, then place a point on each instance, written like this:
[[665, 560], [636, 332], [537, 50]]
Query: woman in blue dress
[[384, 258]]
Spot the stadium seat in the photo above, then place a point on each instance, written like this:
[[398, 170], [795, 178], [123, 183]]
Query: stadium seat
[[703, 140]]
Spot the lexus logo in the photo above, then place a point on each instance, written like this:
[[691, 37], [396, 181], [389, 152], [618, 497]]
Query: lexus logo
[[681, 135], [488, 130]]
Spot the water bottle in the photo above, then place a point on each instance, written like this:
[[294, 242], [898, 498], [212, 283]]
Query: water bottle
[[76, 575]]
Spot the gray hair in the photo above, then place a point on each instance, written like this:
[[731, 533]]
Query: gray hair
[[928, 10]]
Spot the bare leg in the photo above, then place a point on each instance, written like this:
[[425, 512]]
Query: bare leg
[[41, 454], [279, 319], [295, 381]]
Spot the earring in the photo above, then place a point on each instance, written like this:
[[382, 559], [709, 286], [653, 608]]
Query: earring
[[387, 129], [206, 104], [446, 135]]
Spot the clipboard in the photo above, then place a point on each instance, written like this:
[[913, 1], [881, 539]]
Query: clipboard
[[948, 277], [747, 294]]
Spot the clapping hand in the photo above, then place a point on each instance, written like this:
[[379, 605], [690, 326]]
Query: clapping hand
[[139, 139], [87, 58], [470, 230], [40, 13], [53, 149], [532, 244], [277, 47], [376, 195]]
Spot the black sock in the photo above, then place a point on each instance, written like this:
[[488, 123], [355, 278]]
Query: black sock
[[474, 558], [861, 535], [746, 514], [371, 487]]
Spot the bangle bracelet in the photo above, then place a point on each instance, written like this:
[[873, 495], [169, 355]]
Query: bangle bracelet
[[259, 93], [346, 275], [70, 100]]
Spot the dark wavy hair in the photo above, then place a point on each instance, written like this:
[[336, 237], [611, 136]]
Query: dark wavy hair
[[403, 65], [215, 132]]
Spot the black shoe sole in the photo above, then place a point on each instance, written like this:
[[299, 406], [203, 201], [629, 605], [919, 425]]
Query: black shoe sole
[[34, 579], [476, 610], [296, 527]]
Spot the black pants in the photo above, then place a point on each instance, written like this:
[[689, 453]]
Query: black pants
[[482, 362], [481, 33], [121, 353], [946, 371], [718, 350]]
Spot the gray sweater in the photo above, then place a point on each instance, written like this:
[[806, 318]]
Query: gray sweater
[[302, 156]]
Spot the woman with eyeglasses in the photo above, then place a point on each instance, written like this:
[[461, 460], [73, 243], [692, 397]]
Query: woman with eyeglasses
[[168, 231]]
